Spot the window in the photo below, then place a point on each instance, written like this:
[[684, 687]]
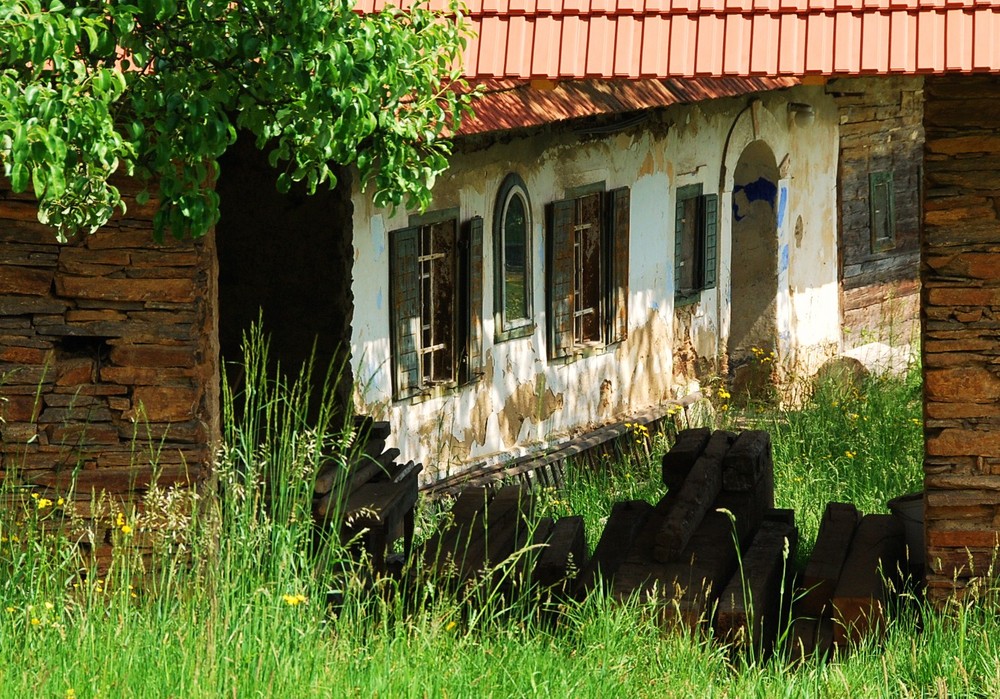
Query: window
[[882, 210], [512, 255], [695, 242], [587, 271], [435, 300]]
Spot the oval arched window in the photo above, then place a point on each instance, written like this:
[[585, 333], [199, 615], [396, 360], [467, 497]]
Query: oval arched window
[[512, 233]]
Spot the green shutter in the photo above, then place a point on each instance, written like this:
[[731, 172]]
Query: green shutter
[[678, 243], [618, 279], [473, 315], [710, 206], [559, 265], [404, 309]]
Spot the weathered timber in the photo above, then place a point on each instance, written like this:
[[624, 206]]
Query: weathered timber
[[441, 551], [505, 522], [747, 461], [874, 561], [564, 555], [810, 637], [523, 572], [686, 588], [624, 523], [699, 491], [833, 541], [377, 510], [780, 514], [750, 609], [470, 502], [678, 461]]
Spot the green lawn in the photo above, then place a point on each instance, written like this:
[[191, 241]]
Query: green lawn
[[238, 608]]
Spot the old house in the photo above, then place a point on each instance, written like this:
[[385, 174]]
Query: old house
[[599, 252], [661, 202]]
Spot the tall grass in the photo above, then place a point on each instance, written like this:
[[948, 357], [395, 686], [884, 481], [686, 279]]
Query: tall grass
[[234, 601]]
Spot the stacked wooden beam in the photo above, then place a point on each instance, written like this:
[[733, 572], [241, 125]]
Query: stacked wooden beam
[[493, 536], [368, 495], [848, 581], [615, 440], [684, 552]]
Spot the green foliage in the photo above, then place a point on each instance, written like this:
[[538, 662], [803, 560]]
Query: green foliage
[[158, 88]]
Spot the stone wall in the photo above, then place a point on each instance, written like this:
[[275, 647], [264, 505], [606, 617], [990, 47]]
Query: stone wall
[[108, 360], [960, 271], [880, 131]]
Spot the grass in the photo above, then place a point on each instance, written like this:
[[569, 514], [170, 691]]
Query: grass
[[237, 603]]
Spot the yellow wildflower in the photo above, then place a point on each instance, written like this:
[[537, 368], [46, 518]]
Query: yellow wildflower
[[850, 454], [450, 626], [294, 600], [126, 529], [120, 520], [35, 496], [11, 610], [70, 693], [724, 394], [60, 502], [43, 503], [35, 621]]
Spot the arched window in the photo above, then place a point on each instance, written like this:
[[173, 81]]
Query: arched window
[[512, 253]]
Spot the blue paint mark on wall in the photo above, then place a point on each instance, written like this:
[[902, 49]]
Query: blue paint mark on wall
[[783, 263], [761, 189], [378, 299], [782, 205]]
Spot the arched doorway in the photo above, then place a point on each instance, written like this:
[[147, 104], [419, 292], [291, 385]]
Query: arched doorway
[[753, 329]]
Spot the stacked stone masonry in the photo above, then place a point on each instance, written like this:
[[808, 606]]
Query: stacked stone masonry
[[108, 363], [880, 132], [960, 271]]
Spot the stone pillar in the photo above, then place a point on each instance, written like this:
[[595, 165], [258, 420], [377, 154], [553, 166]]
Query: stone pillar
[[108, 364], [960, 271]]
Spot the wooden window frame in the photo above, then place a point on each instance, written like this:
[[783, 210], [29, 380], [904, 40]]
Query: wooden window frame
[[435, 303], [881, 198], [696, 242], [511, 328], [587, 270]]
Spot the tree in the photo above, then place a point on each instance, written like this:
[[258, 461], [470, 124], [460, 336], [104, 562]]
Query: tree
[[158, 88]]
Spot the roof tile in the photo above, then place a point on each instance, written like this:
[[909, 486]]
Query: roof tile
[[664, 38]]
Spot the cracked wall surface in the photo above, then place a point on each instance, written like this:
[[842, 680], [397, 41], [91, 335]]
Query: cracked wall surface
[[524, 400]]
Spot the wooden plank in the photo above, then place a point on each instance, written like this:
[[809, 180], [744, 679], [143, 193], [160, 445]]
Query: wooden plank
[[687, 588], [678, 461], [810, 637], [750, 609], [624, 522], [512, 529], [819, 581], [494, 541], [470, 502], [747, 461], [875, 557], [524, 570], [564, 555], [699, 491]]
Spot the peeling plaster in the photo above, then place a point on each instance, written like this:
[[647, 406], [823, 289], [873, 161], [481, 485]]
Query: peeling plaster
[[525, 398], [482, 408], [530, 402]]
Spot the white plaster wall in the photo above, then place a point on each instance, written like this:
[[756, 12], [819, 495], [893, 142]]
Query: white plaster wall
[[677, 146]]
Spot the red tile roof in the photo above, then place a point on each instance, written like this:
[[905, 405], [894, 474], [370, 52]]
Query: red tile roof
[[560, 39], [512, 104]]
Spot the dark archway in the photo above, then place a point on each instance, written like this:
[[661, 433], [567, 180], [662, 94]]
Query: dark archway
[[288, 259]]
